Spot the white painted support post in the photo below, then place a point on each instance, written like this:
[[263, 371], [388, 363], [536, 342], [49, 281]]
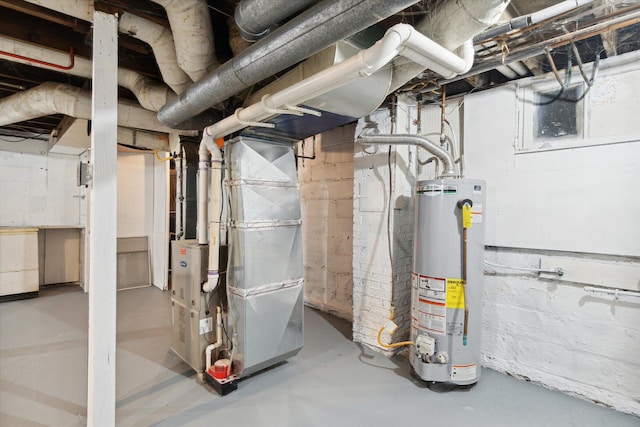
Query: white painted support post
[[101, 391]]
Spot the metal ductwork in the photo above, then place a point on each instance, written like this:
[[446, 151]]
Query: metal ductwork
[[60, 98], [303, 36], [149, 93], [193, 35], [450, 168], [255, 18]]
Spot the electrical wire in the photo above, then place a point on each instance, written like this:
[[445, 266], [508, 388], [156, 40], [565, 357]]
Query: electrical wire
[[166, 159]]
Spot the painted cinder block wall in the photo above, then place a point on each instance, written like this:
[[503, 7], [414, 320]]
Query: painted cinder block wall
[[326, 197], [550, 208]]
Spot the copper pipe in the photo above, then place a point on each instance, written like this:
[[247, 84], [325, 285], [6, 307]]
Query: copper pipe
[[48, 64]]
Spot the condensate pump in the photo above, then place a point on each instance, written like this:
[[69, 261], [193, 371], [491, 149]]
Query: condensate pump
[[446, 282]]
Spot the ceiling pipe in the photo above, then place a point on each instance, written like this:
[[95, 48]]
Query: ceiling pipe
[[141, 139], [158, 37], [450, 167], [59, 98], [451, 24], [149, 93], [530, 19], [164, 49], [301, 37], [256, 18], [401, 39], [193, 35]]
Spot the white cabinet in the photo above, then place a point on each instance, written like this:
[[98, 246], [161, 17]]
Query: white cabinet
[[18, 261]]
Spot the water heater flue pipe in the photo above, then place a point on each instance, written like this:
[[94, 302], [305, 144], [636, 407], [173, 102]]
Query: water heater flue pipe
[[215, 207], [450, 167]]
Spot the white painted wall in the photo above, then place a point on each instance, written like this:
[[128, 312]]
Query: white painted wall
[[37, 188], [143, 208], [326, 197]]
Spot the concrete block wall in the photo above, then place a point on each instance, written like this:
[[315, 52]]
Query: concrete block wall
[[326, 197], [550, 331]]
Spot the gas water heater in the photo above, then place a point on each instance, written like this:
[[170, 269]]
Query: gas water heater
[[446, 281]]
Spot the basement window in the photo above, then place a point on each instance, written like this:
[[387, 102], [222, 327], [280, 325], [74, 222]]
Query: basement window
[[558, 114]]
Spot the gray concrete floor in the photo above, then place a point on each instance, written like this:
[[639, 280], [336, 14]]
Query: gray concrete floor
[[332, 382]]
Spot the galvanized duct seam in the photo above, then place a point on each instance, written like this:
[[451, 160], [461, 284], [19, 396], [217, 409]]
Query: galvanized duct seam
[[150, 94], [256, 18], [306, 34], [193, 35]]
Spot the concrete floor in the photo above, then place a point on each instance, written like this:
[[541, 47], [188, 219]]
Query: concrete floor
[[332, 382]]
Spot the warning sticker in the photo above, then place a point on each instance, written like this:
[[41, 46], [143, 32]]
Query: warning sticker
[[432, 315], [206, 325], [463, 372], [476, 213], [432, 283], [455, 293]]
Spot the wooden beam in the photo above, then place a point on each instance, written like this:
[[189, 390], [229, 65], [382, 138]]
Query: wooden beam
[[101, 387]]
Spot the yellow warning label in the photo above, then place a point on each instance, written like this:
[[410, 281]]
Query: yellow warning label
[[466, 216], [455, 293]]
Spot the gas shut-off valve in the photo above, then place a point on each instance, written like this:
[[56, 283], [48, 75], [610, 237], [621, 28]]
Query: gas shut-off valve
[[425, 346]]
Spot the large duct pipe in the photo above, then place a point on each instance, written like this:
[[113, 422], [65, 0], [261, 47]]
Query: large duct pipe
[[150, 94], [450, 167], [255, 18], [158, 37], [306, 34], [401, 39], [59, 98], [193, 35], [164, 49], [450, 25]]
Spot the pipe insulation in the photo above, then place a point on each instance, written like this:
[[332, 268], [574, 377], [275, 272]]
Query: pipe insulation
[[313, 30], [255, 18], [450, 167], [401, 39], [193, 35], [164, 49], [150, 94], [159, 38], [59, 98], [450, 24]]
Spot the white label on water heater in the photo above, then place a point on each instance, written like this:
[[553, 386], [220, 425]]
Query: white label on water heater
[[206, 325], [476, 214], [463, 372]]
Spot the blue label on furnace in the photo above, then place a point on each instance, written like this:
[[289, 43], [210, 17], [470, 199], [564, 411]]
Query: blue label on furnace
[[183, 264]]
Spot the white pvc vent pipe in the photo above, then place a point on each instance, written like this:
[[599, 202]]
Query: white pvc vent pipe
[[399, 40], [215, 207]]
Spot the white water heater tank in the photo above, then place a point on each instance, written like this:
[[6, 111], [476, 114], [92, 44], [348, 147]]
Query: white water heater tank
[[446, 297]]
